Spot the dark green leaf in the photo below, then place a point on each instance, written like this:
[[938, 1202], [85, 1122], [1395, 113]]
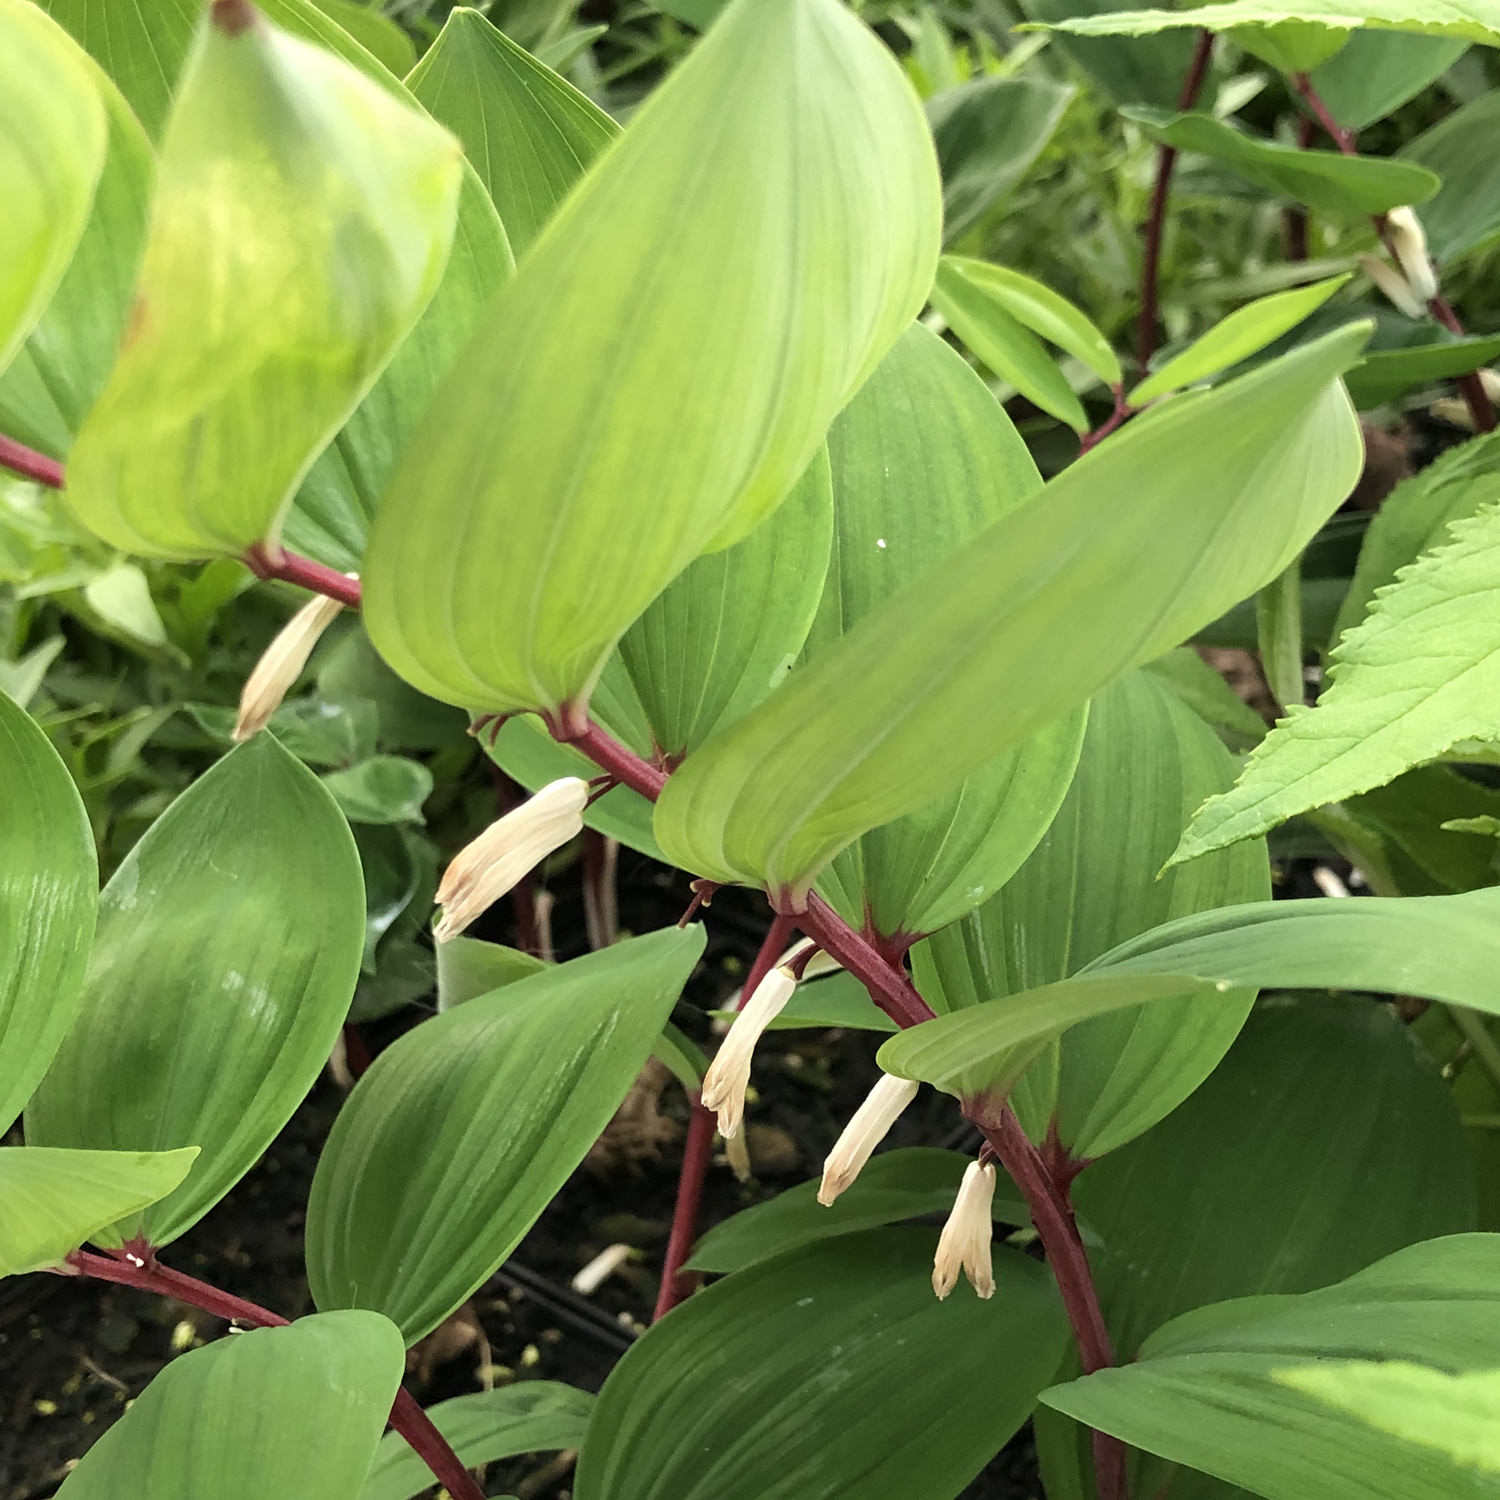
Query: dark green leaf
[[227, 951], [383, 789], [1130, 70], [1465, 214], [1389, 373], [467, 967], [462, 1132], [1376, 72]]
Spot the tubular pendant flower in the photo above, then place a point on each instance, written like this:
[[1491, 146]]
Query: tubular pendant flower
[[485, 869], [864, 1132], [281, 664], [728, 1075], [964, 1244]]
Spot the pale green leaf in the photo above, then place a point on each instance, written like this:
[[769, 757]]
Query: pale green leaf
[[228, 947], [467, 967], [666, 361], [1419, 675], [533, 1416], [1205, 691], [807, 1361], [55, 1200], [1474, 20], [292, 1412], [1001, 341], [996, 642], [121, 597], [53, 138], [528, 133], [1244, 332], [1464, 216], [48, 880], [1328, 181], [268, 300], [463, 1131], [381, 37], [1291, 46]]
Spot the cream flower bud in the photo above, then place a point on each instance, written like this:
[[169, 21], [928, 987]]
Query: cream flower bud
[[1393, 284], [485, 869], [965, 1241], [864, 1132], [1409, 243], [728, 1075], [281, 664]]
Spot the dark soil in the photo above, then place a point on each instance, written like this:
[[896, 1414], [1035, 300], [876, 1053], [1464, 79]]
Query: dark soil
[[74, 1353]]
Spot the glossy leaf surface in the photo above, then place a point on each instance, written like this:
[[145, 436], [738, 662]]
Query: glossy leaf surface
[[1392, 701], [1147, 761], [806, 1361], [55, 1200], [534, 1416], [594, 465], [462, 1132], [970, 660], [529, 133], [48, 882], [227, 952], [268, 300], [293, 1412]]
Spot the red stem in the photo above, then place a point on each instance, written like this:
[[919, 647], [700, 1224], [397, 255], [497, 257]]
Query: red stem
[[1116, 417], [289, 567], [889, 987], [1156, 218], [1343, 139], [30, 464], [696, 1154], [610, 755], [407, 1417]]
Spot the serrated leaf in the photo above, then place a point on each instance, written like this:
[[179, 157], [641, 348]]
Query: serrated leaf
[[992, 644], [462, 1132], [53, 137], [55, 1200], [1464, 216], [595, 466], [1329, 181], [269, 299], [1474, 20], [1091, 884], [805, 1360], [1394, 700], [48, 880], [227, 952], [534, 1416], [293, 1412], [529, 133], [1244, 332]]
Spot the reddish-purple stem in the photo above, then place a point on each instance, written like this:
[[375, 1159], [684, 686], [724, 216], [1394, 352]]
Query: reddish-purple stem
[[407, 1417], [889, 987], [1116, 417], [1156, 217], [1343, 139], [289, 567], [697, 1151], [30, 464], [610, 755]]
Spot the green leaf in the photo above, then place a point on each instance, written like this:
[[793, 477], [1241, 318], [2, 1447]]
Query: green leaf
[[529, 133], [1206, 692], [228, 946], [1214, 1383], [923, 459], [1416, 516], [1291, 46], [1091, 883], [840, 1001], [595, 466], [728, 628], [1474, 20], [807, 1361], [383, 789], [467, 967], [243, 359], [993, 644], [1325, 1139], [55, 1200], [48, 881], [54, 379], [462, 1132], [1244, 332], [1459, 1415], [1325, 180], [54, 133], [1376, 72], [1042, 310], [382, 38], [893, 1185], [1145, 70], [1465, 214], [293, 1412], [989, 133], [1389, 373], [1002, 341], [1280, 635], [1392, 700], [535, 1416]]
